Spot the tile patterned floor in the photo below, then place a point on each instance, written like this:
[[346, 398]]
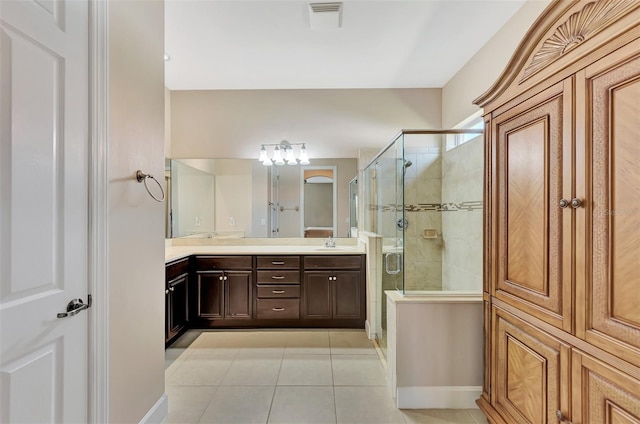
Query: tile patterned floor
[[291, 376]]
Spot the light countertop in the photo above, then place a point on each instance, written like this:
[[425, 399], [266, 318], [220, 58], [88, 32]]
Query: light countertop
[[177, 252]]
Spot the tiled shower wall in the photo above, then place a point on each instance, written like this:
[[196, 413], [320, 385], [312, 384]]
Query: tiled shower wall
[[423, 185], [462, 170]]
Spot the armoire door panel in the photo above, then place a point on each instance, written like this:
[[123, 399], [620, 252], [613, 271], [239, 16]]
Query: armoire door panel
[[613, 283], [534, 232], [603, 394], [526, 206], [531, 372]]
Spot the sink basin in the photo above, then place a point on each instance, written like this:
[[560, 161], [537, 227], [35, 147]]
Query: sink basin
[[334, 249]]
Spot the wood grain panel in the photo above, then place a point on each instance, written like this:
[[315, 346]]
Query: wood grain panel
[[604, 394], [526, 183], [625, 201], [525, 380], [530, 373], [534, 271], [613, 316]]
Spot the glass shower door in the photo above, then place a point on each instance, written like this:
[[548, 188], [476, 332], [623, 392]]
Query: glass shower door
[[391, 224]]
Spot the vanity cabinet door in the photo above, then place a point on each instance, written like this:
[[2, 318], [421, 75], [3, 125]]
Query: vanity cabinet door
[[176, 298], [346, 294], [210, 294], [332, 294], [177, 302], [238, 285], [317, 294]]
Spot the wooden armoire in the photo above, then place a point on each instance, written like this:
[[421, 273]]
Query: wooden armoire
[[562, 221]]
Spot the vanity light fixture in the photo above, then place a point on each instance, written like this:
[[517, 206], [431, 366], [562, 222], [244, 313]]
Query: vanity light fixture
[[283, 153]]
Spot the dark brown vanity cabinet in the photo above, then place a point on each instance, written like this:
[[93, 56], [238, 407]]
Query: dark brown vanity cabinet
[[223, 289], [244, 291], [176, 298], [334, 287], [278, 287]]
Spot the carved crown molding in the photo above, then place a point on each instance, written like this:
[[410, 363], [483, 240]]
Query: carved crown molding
[[579, 27]]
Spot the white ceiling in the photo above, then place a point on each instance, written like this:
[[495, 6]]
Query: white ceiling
[[238, 44]]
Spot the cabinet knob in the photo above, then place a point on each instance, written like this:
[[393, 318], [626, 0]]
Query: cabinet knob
[[561, 417], [166, 291], [564, 203], [225, 278], [576, 203], [221, 278]]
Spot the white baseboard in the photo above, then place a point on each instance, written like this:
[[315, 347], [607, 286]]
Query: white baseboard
[[158, 413], [368, 330], [438, 397]]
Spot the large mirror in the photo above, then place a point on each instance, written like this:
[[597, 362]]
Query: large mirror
[[243, 198]]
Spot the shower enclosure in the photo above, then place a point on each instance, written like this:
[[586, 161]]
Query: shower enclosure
[[423, 196]]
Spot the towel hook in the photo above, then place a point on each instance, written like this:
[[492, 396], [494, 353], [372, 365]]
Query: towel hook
[[142, 178]]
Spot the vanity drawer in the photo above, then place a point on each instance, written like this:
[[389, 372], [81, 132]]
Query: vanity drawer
[[176, 269], [332, 262], [278, 291], [278, 277], [223, 262], [278, 262], [278, 309]]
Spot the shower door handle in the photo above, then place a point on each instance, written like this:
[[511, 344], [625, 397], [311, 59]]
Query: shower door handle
[[398, 263]]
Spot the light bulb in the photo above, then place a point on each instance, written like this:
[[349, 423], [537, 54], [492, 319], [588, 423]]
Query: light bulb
[[304, 159], [267, 162], [290, 157], [277, 157], [263, 154]]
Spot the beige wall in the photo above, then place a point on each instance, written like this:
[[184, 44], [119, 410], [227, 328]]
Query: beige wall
[[234, 123], [484, 68], [136, 247], [167, 123]]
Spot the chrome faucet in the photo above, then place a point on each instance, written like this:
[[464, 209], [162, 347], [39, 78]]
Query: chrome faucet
[[330, 242]]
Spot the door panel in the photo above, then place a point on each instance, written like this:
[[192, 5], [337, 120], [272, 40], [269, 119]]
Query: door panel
[[239, 299], [210, 294], [43, 210], [603, 394], [534, 233], [613, 296], [346, 295], [317, 294], [531, 370]]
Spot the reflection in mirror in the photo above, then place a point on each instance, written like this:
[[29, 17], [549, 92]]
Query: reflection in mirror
[[353, 207], [318, 197], [243, 198]]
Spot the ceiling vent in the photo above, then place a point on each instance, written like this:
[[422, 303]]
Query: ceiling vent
[[325, 15]]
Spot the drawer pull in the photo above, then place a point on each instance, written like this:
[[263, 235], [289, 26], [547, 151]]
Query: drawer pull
[[277, 262], [277, 309], [278, 277], [277, 291]]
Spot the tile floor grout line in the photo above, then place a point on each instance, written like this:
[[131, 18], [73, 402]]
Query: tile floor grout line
[[209, 403]]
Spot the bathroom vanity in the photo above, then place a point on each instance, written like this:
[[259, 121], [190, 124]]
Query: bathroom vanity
[[247, 287]]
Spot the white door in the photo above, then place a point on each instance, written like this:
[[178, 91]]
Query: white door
[[43, 210]]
